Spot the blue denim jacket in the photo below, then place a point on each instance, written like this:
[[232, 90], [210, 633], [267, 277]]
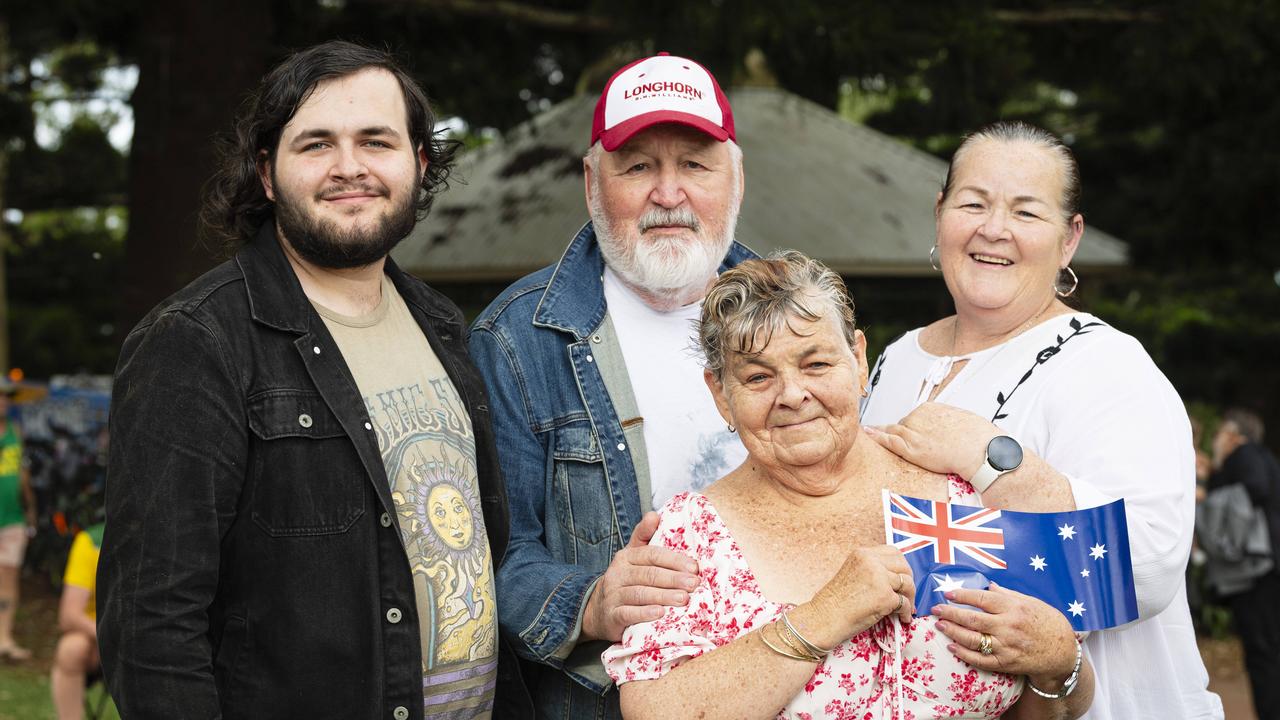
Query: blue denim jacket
[[571, 448]]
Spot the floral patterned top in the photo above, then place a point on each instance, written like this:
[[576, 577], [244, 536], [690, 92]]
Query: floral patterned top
[[868, 676]]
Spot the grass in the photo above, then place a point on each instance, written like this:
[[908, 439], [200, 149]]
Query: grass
[[24, 695], [24, 687]]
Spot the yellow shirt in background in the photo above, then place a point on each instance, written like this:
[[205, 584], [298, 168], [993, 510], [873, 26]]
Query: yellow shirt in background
[[82, 567]]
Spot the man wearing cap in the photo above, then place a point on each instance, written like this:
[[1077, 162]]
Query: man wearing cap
[[600, 410]]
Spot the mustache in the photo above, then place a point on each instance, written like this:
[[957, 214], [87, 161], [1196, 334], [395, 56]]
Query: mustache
[[674, 217], [332, 190]]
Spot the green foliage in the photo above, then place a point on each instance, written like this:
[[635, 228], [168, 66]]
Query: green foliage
[[83, 170], [1171, 108], [63, 274]]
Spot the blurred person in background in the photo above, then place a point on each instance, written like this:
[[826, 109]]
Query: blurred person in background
[[17, 521], [76, 657], [1239, 457]]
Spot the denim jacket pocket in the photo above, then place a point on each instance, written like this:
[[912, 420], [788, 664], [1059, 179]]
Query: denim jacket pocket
[[305, 474], [583, 503]]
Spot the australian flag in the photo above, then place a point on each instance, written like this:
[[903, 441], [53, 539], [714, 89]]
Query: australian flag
[[1076, 561]]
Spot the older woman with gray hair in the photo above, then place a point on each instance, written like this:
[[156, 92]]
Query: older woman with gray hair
[[802, 611], [1046, 408]]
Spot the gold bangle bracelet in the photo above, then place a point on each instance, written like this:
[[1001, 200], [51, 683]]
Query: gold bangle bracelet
[[819, 651], [778, 650], [786, 635]]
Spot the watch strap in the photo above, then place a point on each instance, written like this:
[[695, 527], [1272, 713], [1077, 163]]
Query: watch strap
[[986, 475]]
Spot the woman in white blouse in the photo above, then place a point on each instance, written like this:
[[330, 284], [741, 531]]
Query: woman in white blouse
[[1095, 418]]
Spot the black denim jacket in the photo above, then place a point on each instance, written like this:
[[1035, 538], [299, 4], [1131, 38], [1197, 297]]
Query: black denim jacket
[[252, 557]]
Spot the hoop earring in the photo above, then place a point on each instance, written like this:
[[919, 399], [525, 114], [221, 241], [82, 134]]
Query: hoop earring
[[933, 263], [1075, 282], [732, 429]]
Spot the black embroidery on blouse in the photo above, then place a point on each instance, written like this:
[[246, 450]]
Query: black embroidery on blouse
[[875, 373], [1042, 357]]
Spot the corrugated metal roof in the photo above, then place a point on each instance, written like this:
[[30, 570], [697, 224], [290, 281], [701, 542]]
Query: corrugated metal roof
[[857, 199]]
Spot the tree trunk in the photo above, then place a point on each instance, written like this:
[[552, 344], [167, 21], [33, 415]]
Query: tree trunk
[[197, 62], [4, 237]]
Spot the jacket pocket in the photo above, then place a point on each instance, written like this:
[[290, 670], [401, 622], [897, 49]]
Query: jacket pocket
[[306, 476], [584, 505]]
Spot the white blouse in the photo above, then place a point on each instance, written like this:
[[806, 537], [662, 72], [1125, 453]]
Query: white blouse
[[1088, 399]]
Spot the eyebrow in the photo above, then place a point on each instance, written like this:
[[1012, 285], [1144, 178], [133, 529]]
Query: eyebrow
[[755, 358], [323, 133], [985, 194]]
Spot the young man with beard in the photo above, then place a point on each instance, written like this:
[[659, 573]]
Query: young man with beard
[[599, 406], [304, 506]]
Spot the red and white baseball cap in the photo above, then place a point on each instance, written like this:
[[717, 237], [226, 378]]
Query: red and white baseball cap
[[660, 89]]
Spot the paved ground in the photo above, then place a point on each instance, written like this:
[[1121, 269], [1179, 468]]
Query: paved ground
[[1227, 677]]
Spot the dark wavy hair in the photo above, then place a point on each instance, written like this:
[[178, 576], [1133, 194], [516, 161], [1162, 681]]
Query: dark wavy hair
[[235, 205]]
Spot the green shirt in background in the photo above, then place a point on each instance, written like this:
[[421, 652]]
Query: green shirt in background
[[10, 477]]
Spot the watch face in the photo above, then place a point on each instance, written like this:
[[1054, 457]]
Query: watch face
[[1004, 453]]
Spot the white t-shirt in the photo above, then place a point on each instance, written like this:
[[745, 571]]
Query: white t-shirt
[[687, 443], [1088, 399]]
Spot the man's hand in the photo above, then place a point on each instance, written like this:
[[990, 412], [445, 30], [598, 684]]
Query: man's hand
[[638, 586]]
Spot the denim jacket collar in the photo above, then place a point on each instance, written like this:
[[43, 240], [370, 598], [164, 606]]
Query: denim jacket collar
[[575, 305], [276, 298]]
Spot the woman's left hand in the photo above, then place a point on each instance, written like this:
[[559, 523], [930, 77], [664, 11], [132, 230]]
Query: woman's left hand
[[1028, 636], [939, 438]]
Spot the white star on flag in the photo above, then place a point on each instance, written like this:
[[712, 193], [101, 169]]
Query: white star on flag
[[945, 584], [1084, 572], [1076, 608], [1067, 532], [1037, 562], [1097, 551]]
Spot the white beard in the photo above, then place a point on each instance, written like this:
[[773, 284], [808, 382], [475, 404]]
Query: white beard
[[669, 265]]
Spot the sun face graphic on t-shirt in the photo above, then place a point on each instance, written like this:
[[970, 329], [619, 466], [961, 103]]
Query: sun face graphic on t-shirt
[[450, 516]]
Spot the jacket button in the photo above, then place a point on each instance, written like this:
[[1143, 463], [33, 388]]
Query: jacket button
[[385, 520], [394, 615], [595, 339], [368, 426], [622, 446], [590, 359], [400, 713], [304, 420], [316, 349]]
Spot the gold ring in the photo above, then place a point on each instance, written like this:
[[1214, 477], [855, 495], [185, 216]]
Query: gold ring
[[984, 644], [901, 582], [898, 609]]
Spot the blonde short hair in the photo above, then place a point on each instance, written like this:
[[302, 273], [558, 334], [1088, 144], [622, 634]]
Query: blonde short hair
[[747, 304]]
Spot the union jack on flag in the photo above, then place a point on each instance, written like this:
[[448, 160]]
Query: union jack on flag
[[947, 530], [1076, 561]]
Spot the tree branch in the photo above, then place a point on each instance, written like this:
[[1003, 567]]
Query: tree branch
[[520, 13], [1049, 16]]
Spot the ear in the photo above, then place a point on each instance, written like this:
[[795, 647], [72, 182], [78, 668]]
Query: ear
[[586, 176], [264, 174], [937, 206], [1075, 230], [717, 393], [422, 161], [860, 354]]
